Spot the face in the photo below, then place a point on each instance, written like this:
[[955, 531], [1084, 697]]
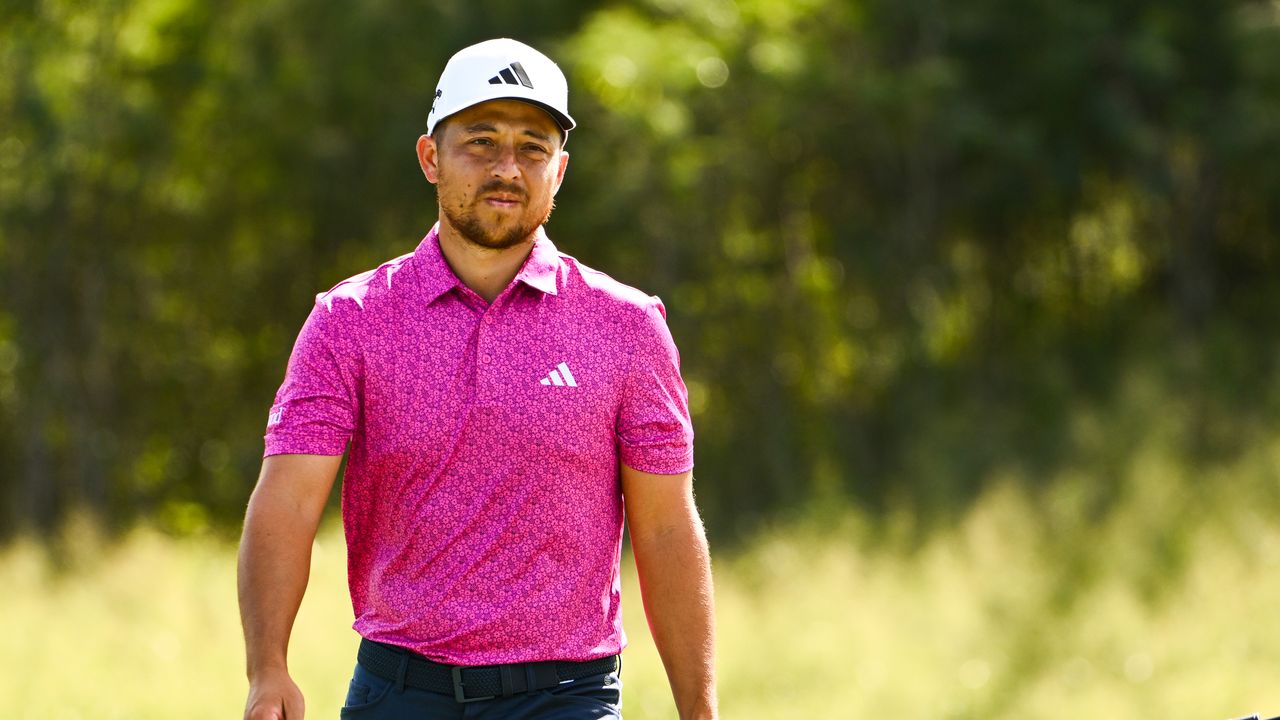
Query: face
[[497, 167]]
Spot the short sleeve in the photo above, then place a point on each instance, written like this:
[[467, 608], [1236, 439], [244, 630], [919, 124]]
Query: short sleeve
[[316, 407], [654, 431]]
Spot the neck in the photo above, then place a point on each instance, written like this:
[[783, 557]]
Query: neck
[[487, 271]]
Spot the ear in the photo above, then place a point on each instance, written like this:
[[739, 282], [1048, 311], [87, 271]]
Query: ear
[[564, 164], [429, 159]]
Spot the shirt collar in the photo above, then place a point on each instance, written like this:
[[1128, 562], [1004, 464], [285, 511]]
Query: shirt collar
[[436, 276], [539, 270]]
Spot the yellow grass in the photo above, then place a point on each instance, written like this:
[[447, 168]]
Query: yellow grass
[[1168, 606]]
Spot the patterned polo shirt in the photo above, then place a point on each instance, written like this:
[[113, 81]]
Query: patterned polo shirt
[[481, 498]]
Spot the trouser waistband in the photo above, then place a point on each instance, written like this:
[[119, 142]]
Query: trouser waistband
[[467, 683]]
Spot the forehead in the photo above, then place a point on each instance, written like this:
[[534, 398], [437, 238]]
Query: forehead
[[511, 115]]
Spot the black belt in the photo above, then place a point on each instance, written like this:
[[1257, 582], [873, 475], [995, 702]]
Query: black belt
[[469, 684]]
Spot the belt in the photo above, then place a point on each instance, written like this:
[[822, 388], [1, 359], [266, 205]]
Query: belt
[[470, 684]]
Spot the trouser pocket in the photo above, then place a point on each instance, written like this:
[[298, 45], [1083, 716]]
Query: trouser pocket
[[365, 692]]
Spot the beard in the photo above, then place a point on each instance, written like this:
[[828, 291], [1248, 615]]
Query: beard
[[468, 224]]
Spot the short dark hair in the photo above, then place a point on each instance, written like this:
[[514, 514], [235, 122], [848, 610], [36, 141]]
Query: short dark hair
[[438, 134]]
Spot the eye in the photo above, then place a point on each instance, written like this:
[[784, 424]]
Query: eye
[[535, 148], [480, 141]]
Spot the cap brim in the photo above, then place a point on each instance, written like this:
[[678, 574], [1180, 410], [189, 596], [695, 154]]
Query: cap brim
[[565, 122]]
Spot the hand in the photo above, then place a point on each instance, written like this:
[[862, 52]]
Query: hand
[[273, 696]]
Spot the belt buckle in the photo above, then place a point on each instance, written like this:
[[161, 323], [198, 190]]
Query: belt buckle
[[458, 693]]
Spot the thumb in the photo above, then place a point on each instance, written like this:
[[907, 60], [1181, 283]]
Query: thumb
[[293, 709], [275, 712]]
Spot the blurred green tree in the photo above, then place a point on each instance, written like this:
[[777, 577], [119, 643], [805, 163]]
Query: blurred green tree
[[901, 242]]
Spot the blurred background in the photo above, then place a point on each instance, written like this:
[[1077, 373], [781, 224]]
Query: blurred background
[[976, 303]]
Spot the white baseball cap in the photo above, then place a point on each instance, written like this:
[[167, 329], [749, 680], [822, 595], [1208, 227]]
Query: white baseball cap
[[501, 69]]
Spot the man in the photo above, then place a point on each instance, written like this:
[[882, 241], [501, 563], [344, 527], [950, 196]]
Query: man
[[500, 401]]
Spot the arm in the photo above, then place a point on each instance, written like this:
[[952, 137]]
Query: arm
[[275, 561], [674, 567]]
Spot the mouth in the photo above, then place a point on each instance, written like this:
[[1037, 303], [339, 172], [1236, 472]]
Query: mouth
[[502, 200], [503, 195]]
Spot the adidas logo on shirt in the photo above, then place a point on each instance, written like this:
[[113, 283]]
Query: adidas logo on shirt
[[560, 377], [508, 75]]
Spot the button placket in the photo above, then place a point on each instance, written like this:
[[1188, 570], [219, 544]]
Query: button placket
[[484, 357]]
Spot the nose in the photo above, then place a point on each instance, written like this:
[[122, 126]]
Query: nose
[[505, 166]]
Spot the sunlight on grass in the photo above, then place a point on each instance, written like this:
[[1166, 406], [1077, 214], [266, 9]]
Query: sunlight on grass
[[1165, 606]]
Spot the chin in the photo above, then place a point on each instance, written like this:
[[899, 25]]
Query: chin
[[497, 231], [500, 237]]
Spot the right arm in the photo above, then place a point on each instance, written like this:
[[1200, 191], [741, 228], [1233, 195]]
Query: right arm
[[274, 564]]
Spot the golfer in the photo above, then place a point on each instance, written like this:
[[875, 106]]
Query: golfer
[[499, 402]]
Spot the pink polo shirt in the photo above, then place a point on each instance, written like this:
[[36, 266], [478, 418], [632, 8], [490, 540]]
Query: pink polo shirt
[[481, 501]]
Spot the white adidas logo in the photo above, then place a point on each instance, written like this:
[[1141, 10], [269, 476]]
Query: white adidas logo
[[560, 377]]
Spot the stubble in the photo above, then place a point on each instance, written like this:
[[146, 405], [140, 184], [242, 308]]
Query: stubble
[[467, 222]]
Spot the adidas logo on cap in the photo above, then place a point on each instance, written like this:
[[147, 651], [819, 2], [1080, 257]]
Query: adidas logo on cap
[[509, 74]]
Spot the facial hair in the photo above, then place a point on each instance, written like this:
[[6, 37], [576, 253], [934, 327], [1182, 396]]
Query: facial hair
[[465, 220]]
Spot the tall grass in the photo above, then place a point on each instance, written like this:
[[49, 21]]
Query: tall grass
[[1034, 605]]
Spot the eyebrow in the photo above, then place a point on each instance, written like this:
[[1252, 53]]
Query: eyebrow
[[537, 135], [488, 127]]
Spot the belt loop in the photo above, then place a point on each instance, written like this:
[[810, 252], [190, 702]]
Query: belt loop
[[401, 672], [504, 671], [530, 681]]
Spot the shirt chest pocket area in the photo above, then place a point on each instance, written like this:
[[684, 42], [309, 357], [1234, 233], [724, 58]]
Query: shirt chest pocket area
[[415, 408]]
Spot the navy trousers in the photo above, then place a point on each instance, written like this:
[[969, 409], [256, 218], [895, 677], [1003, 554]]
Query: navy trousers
[[371, 697]]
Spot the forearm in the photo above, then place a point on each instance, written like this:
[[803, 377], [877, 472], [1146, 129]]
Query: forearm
[[674, 568], [274, 565]]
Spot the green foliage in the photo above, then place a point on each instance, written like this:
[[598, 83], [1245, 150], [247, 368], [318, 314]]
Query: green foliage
[[903, 244], [906, 241]]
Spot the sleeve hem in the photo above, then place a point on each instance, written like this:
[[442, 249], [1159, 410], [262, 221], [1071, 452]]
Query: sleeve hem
[[668, 465], [304, 446]]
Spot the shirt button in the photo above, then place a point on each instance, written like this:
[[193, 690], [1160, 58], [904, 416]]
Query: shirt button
[[488, 359]]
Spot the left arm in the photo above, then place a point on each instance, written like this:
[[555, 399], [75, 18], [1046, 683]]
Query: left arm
[[674, 567]]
